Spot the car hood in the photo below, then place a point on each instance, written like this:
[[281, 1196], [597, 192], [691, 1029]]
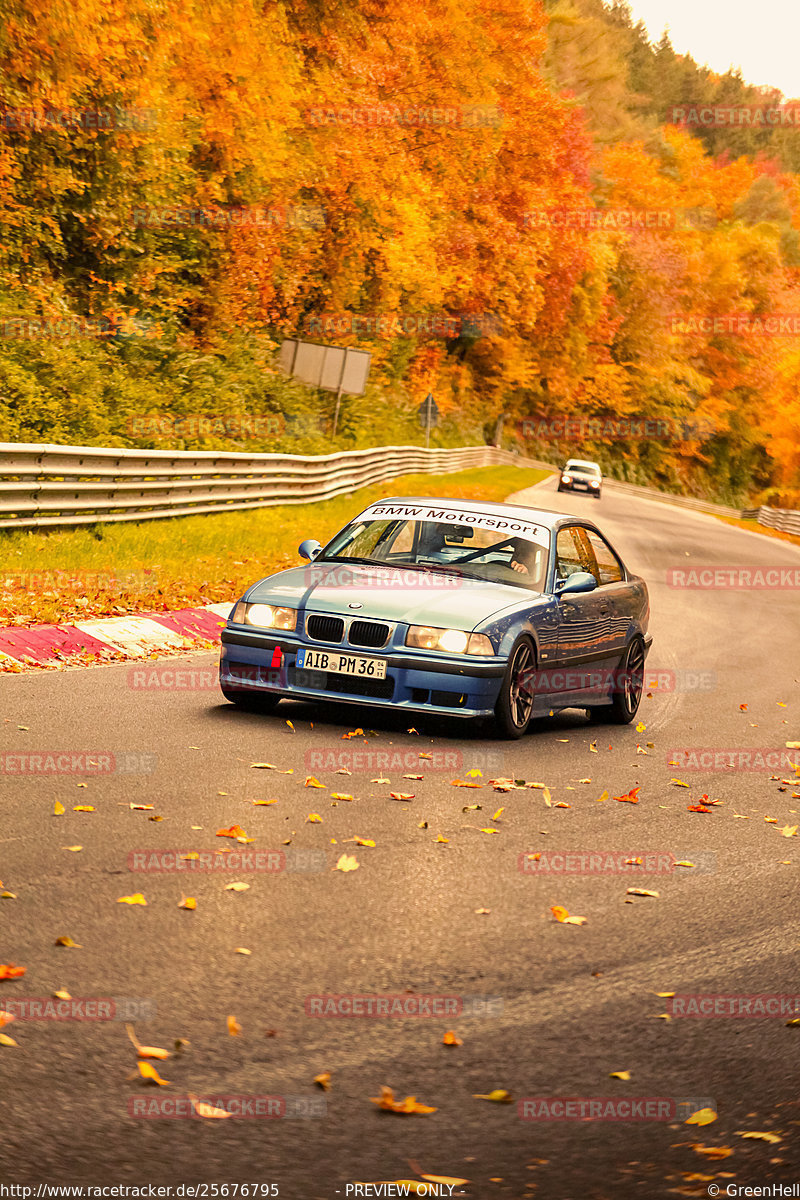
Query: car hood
[[389, 594]]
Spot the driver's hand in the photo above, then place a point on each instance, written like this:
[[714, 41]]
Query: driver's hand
[[518, 566]]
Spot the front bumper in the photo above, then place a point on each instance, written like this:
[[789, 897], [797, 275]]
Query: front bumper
[[419, 682]]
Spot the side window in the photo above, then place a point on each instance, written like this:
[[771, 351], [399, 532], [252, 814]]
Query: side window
[[588, 560], [609, 566], [568, 553]]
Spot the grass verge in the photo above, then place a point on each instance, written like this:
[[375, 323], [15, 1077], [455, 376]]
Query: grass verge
[[64, 575]]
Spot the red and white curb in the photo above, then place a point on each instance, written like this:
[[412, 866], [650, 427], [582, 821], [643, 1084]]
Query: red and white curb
[[112, 638]]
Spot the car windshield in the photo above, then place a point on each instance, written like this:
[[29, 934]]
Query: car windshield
[[582, 468], [458, 548]]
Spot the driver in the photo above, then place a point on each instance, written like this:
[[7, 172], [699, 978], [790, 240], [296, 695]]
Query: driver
[[524, 556]]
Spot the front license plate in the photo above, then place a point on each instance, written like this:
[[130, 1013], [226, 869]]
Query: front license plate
[[342, 664]]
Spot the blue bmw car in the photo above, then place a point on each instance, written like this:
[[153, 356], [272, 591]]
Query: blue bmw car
[[456, 607]]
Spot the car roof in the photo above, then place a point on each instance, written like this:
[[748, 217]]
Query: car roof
[[539, 516], [582, 462]]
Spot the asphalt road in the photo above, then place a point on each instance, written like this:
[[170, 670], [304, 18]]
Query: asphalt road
[[572, 1004]]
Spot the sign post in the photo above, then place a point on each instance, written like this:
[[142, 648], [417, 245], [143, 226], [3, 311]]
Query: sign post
[[428, 413]]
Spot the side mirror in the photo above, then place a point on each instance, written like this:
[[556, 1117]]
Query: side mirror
[[309, 549], [581, 581]]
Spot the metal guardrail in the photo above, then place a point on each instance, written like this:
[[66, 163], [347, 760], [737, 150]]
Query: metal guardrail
[[49, 485], [786, 520], [720, 510]]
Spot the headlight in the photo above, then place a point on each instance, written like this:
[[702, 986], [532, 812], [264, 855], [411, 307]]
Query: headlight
[[453, 641], [593, 483], [265, 616], [566, 479]]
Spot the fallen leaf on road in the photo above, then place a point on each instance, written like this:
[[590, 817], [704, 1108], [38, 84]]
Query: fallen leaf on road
[[712, 1151], [146, 1051], [498, 814], [631, 797], [761, 1137], [62, 994], [208, 1111], [703, 1116], [74, 849], [312, 781], [380, 779], [314, 819], [387, 1102], [237, 886], [58, 809], [488, 830], [603, 797], [7, 1040], [788, 831], [6, 1018], [234, 1028], [401, 795], [347, 862], [640, 892], [9, 971], [619, 1075], [464, 783], [189, 902], [701, 808], [442, 838], [562, 916], [291, 726], [263, 802], [83, 808], [679, 783], [363, 841], [136, 898], [151, 1075], [450, 1039], [235, 831], [665, 995], [241, 950], [498, 1096], [323, 1081], [481, 911], [67, 941], [341, 796], [413, 776]]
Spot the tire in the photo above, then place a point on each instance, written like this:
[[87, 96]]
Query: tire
[[514, 706], [628, 693], [251, 701]]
